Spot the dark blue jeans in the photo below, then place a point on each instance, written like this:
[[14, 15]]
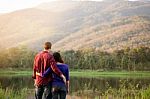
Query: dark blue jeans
[[59, 92], [43, 91]]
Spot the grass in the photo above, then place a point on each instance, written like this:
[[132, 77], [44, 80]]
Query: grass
[[11, 94], [111, 93], [15, 73], [89, 73], [123, 92], [83, 73]]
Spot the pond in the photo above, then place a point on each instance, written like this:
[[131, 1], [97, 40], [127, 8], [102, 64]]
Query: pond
[[81, 86]]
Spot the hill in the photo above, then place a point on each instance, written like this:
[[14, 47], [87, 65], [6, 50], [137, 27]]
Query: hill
[[106, 25]]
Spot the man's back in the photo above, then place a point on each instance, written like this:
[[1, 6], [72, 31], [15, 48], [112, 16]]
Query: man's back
[[44, 60], [41, 63]]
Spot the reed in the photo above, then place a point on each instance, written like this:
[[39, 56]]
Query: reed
[[11, 93]]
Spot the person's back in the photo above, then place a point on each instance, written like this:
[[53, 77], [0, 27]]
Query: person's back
[[42, 62], [59, 88], [57, 81]]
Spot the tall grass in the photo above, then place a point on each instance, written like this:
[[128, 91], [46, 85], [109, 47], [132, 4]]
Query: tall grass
[[125, 91], [10, 93]]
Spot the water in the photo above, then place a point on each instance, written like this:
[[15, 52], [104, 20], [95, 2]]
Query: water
[[79, 85]]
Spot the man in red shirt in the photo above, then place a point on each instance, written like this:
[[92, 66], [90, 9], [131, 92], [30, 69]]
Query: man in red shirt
[[43, 60]]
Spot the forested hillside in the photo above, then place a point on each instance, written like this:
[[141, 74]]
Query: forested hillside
[[106, 25]]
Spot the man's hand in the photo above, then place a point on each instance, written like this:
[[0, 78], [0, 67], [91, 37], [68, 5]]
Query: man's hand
[[38, 74], [64, 78], [34, 77]]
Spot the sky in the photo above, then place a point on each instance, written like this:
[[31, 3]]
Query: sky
[[12, 5], [7, 6]]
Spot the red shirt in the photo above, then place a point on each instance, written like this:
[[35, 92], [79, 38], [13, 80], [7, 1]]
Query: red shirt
[[42, 61]]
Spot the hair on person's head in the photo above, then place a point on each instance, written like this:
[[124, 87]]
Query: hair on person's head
[[47, 45], [57, 57]]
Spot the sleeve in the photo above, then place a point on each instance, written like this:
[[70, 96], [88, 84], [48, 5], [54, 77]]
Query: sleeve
[[47, 72], [67, 74], [67, 78], [54, 67]]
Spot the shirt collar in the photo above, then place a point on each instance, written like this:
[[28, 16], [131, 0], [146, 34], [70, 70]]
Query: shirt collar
[[46, 50]]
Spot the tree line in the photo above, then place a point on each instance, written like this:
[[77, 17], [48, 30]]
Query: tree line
[[125, 59], [129, 59], [16, 57]]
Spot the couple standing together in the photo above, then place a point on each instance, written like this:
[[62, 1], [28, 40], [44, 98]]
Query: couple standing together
[[50, 74]]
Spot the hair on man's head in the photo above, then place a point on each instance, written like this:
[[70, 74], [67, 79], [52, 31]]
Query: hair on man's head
[[47, 45]]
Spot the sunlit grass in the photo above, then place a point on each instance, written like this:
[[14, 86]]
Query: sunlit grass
[[123, 92], [89, 73], [83, 73], [10, 93], [110, 93]]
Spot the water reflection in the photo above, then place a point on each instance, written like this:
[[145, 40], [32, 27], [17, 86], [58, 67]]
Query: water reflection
[[78, 85], [102, 84], [16, 82]]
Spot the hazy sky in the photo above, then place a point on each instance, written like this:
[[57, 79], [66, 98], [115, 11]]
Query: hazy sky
[[12, 5]]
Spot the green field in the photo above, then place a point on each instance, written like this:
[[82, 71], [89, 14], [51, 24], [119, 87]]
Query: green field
[[83, 73], [110, 74]]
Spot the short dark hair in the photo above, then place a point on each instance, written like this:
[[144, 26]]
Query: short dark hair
[[47, 45], [58, 57]]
